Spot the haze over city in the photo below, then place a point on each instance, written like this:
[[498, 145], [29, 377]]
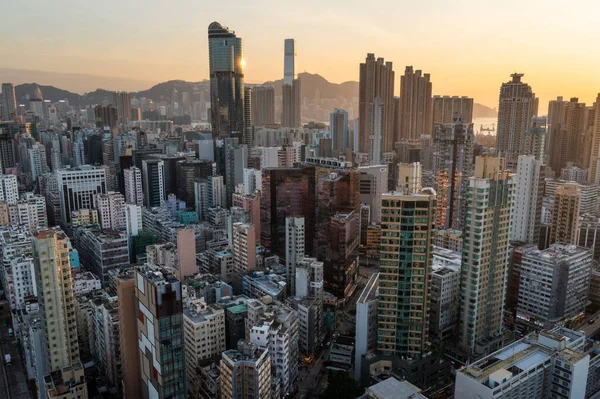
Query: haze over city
[[299, 200], [469, 48]]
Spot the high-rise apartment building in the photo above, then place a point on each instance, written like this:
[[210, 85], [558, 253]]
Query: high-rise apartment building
[[7, 150], [187, 172], [123, 105], [446, 107], [337, 229], [153, 182], [55, 295], [226, 82], [248, 123], [77, 188], [409, 178], [567, 130], [554, 284], [338, 129], [593, 175], [128, 339], [407, 235], [529, 193], [244, 247], [287, 192], [415, 105], [517, 106], [376, 81], [292, 99], [263, 105], [159, 310], [133, 186], [366, 322], [294, 250], [549, 364], [9, 102], [103, 250], [274, 326], [453, 165], [204, 330], [565, 215], [373, 183], [111, 210], [376, 131], [489, 199], [245, 373], [533, 140], [9, 189]]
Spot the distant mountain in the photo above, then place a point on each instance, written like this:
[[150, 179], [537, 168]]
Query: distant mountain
[[310, 83], [23, 91], [481, 111]]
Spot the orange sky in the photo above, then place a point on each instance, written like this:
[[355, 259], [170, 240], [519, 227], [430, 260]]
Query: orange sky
[[469, 47]]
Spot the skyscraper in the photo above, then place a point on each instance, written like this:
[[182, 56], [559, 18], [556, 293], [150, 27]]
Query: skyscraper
[[55, 294], [533, 140], [123, 105], [294, 250], [373, 183], [153, 182], [77, 188], [453, 165], [593, 175], [248, 123], [517, 106], [338, 128], [415, 105], [485, 259], [287, 192], [376, 131], [226, 82], [376, 81], [403, 306], [565, 215], [337, 229], [9, 102], [263, 105], [133, 186], [161, 345], [567, 131], [246, 372], [292, 99], [445, 107], [529, 194]]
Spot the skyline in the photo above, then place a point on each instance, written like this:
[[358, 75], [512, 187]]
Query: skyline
[[517, 40]]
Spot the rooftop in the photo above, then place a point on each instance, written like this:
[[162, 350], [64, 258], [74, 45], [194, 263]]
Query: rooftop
[[394, 389], [369, 293]]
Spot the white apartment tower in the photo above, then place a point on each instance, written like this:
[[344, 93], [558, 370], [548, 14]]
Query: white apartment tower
[[373, 183], [111, 210], [294, 250], [489, 199], [133, 186], [529, 193], [9, 189]]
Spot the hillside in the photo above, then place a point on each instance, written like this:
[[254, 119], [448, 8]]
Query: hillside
[[311, 83]]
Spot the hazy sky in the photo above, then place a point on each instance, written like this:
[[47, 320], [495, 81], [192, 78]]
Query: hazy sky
[[470, 47]]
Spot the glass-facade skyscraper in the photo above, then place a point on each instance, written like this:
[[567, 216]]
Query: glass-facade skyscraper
[[226, 82]]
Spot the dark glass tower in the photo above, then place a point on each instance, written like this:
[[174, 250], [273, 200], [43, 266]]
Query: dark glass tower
[[226, 82]]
